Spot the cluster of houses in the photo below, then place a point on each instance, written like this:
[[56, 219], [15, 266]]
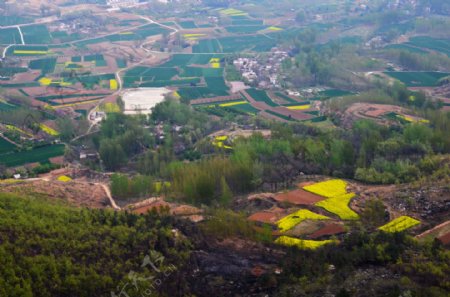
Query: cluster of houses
[[262, 71]]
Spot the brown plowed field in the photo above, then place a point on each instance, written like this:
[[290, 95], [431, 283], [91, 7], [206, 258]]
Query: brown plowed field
[[328, 230], [298, 197]]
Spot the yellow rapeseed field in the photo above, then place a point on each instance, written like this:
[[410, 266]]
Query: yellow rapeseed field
[[232, 103], [48, 130], [329, 188], [303, 244], [273, 28], [113, 84], [290, 221], [299, 107], [64, 178], [339, 206], [399, 224], [28, 52]]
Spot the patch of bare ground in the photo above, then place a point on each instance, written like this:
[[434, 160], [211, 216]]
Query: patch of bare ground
[[76, 193]]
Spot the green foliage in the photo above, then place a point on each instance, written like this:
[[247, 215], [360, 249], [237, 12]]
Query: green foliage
[[47, 249], [136, 187]]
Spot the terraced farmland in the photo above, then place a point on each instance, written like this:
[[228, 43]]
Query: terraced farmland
[[41, 155], [418, 79]]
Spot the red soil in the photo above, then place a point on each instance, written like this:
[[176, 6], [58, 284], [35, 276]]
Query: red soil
[[299, 197], [328, 230]]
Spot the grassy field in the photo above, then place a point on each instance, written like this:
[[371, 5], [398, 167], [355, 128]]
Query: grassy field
[[46, 65], [217, 84], [188, 25], [10, 71], [6, 146], [121, 63], [262, 96], [439, 45], [406, 47], [6, 106], [207, 46], [142, 74], [199, 72], [257, 43], [41, 154], [418, 79], [246, 22], [27, 50], [36, 34], [9, 20], [9, 36], [245, 29]]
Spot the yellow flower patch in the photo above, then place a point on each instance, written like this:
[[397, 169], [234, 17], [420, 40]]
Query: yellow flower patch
[[292, 220], [329, 188], [14, 128], [232, 103], [45, 81], [399, 224], [299, 107], [26, 52], [273, 28], [48, 130], [303, 244], [113, 84], [339, 206], [64, 178]]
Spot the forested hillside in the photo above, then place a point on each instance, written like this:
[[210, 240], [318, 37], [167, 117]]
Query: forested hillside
[[50, 249]]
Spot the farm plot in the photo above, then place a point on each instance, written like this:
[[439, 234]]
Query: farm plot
[[285, 97], [261, 96], [6, 106], [246, 22], [290, 221], [245, 29], [405, 47], [257, 43], [418, 79], [46, 65], [339, 206], [207, 46], [121, 63], [27, 50], [142, 74], [10, 71], [9, 20], [6, 146], [399, 224], [337, 198], [218, 85], [326, 94], [188, 24], [10, 36], [40, 154], [36, 34], [440, 45], [299, 197], [88, 81], [137, 34], [167, 83], [302, 243], [328, 189], [201, 72], [190, 93]]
